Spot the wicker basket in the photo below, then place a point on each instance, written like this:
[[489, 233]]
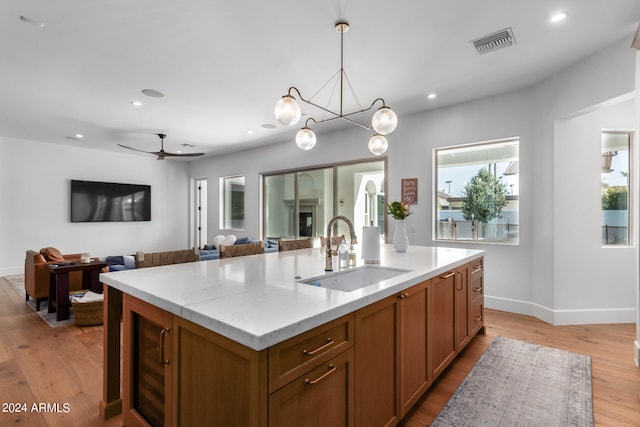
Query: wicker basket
[[88, 313]]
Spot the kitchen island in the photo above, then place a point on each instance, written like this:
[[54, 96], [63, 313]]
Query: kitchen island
[[244, 341]]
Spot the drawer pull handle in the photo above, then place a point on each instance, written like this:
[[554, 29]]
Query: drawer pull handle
[[331, 370], [319, 349], [446, 276], [477, 319], [478, 289], [477, 268], [163, 334]]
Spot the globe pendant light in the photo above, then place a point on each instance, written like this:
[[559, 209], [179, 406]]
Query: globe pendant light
[[288, 112], [306, 138], [384, 121], [378, 144]]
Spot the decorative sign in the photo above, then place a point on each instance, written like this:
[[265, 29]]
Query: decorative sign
[[410, 191]]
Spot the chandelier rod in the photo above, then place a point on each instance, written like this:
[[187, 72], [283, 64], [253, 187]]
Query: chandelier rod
[[337, 115]]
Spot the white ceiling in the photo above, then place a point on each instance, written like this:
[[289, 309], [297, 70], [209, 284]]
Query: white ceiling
[[223, 65]]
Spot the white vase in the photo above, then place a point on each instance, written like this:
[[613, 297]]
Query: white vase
[[400, 237]]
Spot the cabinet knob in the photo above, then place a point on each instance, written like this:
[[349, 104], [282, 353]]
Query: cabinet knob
[[478, 289], [404, 295]]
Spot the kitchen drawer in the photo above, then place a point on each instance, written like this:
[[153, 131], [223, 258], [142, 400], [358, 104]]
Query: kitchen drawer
[[322, 397], [476, 280], [292, 358], [476, 317]]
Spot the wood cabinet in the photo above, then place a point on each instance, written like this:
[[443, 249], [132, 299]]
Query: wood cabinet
[[391, 357], [442, 322], [414, 370], [367, 368], [378, 339], [177, 373], [311, 377], [476, 297], [462, 296], [147, 374], [322, 397]]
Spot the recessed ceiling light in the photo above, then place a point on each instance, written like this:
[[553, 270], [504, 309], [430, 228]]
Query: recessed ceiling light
[[32, 21], [153, 93], [432, 96], [250, 132], [561, 16], [79, 135], [75, 137], [136, 103]]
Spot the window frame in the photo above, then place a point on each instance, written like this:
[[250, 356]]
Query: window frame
[[226, 202], [630, 177], [335, 202], [512, 199]]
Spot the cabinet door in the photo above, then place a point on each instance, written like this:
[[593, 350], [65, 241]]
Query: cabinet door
[[414, 371], [462, 308], [146, 364], [322, 397], [442, 342], [217, 381], [377, 341]]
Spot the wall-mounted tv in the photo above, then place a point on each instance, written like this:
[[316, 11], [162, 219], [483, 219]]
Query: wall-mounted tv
[[108, 202]]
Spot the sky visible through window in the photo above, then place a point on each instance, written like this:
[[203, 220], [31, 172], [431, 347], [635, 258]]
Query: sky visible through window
[[461, 175]]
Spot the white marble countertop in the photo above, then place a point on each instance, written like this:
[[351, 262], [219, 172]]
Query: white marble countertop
[[257, 301]]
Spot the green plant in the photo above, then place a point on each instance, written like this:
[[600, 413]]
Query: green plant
[[485, 197], [398, 210], [615, 198]]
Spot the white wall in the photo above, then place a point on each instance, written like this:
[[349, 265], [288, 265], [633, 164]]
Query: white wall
[[587, 276], [35, 202], [519, 278]]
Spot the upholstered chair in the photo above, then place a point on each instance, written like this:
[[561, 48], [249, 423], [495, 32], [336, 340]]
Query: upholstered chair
[[37, 275], [228, 251], [289, 245]]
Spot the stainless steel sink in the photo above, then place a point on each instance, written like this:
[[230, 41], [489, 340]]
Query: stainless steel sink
[[355, 278]]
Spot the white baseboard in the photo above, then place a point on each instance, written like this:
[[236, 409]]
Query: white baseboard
[[562, 317], [11, 271]]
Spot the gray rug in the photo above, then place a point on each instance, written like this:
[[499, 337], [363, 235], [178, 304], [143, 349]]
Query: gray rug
[[520, 384], [17, 283]]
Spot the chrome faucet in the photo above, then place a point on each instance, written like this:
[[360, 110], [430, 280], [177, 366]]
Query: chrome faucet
[[328, 264]]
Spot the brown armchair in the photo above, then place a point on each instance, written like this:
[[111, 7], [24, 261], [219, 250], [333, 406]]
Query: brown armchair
[[36, 273]]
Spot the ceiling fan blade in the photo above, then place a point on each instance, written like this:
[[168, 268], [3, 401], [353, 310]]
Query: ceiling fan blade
[[135, 149], [183, 154], [162, 154]]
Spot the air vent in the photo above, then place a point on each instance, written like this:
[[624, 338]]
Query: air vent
[[497, 40]]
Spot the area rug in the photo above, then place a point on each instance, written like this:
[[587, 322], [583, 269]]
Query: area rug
[[521, 384], [17, 283]]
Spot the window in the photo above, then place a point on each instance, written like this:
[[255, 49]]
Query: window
[[615, 181], [477, 192], [301, 203], [232, 203]]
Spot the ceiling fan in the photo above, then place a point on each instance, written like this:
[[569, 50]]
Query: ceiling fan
[[162, 154]]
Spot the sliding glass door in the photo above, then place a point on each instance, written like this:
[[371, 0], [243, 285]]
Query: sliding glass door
[[300, 203]]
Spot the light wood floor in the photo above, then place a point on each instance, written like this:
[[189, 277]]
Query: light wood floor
[[40, 364]]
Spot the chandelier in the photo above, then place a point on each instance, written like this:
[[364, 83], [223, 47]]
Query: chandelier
[[288, 112]]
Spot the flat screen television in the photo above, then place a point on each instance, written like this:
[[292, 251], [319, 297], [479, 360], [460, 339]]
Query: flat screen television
[[109, 202]]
